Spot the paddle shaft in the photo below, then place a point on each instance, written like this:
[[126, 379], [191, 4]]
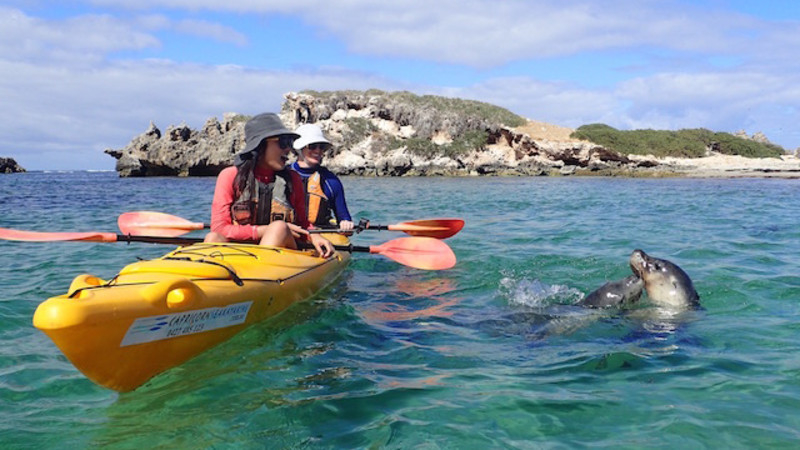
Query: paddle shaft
[[354, 230], [189, 241], [38, 236], [201, 226], [158, 239], [153, 223]]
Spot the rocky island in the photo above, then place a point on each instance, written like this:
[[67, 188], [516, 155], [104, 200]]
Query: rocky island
[[9, 165], [376, 133]]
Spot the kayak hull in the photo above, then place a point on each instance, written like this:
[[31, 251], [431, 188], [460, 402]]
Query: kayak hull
[[157, 314]]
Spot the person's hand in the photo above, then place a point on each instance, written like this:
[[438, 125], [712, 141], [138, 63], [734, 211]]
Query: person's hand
[[346, 225], [323, 246], [297, 230]]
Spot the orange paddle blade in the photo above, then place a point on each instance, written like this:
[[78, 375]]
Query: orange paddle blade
[[140, 223], [435, 228], [91, 236], [37, 236], [425, 253]]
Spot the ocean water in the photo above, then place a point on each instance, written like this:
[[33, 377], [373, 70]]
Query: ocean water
[[491, 354]]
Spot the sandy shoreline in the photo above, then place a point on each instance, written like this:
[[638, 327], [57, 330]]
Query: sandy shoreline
[[728, 166], [716, 165]]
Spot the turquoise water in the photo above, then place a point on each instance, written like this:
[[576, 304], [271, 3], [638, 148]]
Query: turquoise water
[[490, 354]]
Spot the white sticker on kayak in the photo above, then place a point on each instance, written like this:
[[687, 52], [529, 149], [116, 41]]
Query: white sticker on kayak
[[156, 328]]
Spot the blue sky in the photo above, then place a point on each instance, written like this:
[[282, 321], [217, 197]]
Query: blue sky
[[83, 76]]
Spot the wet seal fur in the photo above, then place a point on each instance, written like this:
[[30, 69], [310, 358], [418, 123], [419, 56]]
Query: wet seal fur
[[666, 284], [615, 293]]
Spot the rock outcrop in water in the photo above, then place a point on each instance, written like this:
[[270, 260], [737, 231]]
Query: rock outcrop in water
[[9, 165], [181, 150], [377, 133]]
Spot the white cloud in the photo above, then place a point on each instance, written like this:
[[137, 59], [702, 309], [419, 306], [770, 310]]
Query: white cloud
[[486, 33], [211, 30], [65, 117], [560, 103], [85, 38], [91, 38], [721, 101], [717, 101]]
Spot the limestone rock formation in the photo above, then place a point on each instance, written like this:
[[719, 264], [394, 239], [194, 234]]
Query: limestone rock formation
[[377, 133], [391, 134], [9, 165], [182, 151]]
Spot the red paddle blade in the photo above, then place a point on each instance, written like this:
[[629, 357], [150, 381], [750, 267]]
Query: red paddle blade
[[435, 228], [425, 253], [37, 236], [142, 223]]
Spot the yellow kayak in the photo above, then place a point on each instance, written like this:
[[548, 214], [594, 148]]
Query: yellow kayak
[[156, 314]]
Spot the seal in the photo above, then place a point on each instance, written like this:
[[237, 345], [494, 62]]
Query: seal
[[615, 293], [666, 284]]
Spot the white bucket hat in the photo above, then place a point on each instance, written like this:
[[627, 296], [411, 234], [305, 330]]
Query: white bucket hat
[[309, 134]]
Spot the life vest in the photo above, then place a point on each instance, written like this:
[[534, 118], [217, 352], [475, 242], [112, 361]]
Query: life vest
[[317, 204], [262, 203]]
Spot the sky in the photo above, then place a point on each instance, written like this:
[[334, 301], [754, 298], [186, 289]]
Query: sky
[[79, 77]]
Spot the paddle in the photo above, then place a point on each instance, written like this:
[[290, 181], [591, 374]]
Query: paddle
[[89, 236], [425, 253], [142, 223], [417, 252], [435, 228]]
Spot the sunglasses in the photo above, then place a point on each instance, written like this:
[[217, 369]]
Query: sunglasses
[[284, 141], [319, 146]]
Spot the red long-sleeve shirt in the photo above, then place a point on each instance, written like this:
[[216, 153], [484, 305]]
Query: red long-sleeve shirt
[[224, 196]]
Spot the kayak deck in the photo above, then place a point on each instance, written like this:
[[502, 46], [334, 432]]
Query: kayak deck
[[156, 314]]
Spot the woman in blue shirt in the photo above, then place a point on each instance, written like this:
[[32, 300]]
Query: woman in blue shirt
[[324, 192]]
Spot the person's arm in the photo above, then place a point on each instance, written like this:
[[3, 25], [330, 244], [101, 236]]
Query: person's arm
[[221, 220], [337, 201]]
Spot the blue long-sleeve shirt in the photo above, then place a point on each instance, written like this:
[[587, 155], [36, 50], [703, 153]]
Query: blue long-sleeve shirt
[[332, 188]]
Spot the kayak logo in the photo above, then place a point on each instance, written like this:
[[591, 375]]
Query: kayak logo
[[157, 328]]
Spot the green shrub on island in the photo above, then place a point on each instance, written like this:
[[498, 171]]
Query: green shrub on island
[[470, 140], [443, 106], [465, 108], [686, 143], [240, 118], [467, 123], [356, 130]]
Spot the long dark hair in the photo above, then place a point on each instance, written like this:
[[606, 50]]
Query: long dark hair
[[246, 169]]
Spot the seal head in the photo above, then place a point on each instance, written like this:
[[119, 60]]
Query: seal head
[[615, 293]]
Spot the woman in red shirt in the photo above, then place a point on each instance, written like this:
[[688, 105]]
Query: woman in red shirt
[[258, 198]]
